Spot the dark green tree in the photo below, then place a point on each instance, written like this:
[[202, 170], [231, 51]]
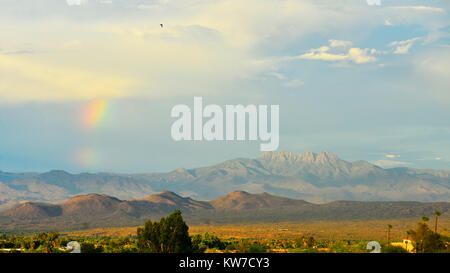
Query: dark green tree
[[201, 242], [148, 237], [393, 249], [169, 235], [90, 247], [425, 240]]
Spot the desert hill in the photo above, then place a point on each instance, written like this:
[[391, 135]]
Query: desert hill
[[95, 210]]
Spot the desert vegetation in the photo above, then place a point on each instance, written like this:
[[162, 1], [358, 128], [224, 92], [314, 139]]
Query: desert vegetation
[[171, 235]]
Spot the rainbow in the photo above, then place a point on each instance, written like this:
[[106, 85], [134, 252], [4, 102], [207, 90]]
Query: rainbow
[[85, 157], [94, 113]]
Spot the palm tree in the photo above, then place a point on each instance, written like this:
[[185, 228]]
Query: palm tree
[[407, 234], [389, 233], [407, 238], [436, 214], [425, 219]]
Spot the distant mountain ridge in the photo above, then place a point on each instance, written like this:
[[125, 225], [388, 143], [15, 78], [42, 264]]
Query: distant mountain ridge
[[92, 205], [309, 176], [241, 200], [99, 210]]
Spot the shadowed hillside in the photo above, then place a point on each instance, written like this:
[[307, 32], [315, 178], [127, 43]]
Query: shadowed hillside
[[94, 210], [241, 200]]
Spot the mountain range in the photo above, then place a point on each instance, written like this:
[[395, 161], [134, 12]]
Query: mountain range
[[99, 210], [317, 178]]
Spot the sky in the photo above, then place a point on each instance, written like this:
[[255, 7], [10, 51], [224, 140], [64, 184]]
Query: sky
[[90, 87]]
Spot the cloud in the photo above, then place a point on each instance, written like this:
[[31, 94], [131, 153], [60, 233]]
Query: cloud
[[277, 75], [77, 2], [113, 60], [431, 70], [285, 80], [322, 53], [214, 40], [392, 156], [420, 9], [18, 52], [354, 54], [32, 79], [361, 56], [387, 22], [387, 163], [402, 47], [339, 43], [430, 19], [72, 44], [293, 83]]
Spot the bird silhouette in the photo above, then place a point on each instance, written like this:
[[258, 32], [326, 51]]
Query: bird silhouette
[[161, 25]]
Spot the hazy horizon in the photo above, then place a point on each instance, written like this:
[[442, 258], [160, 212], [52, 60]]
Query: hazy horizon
[[195, 167]]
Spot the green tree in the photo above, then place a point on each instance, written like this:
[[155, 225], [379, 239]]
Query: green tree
[[425, 240], [90, 247], [393, 249], [169, 235], [243, 246], [436, 214], [207, 241], [408, 233], [148, 237], [310, 242], [425, 219]]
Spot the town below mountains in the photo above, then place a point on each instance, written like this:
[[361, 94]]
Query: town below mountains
[[316, 178], [100, 211]]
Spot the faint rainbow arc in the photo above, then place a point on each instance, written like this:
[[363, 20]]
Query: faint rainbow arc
[[94, 113]]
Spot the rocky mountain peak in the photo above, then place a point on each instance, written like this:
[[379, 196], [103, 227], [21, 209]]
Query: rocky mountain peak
[[326, 157], [307, 156], [279, 156]]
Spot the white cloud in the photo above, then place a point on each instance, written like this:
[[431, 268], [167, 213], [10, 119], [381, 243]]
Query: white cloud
[[387, 22], [293, 83], [277, 75], [77, 2], [339, 43], [420, 9], [322, 53], [208, 40], [214, 40], [354, 54], [429, 18], [431, 73], [402, 47], [361, 56], [387, 163], [34, 79]]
